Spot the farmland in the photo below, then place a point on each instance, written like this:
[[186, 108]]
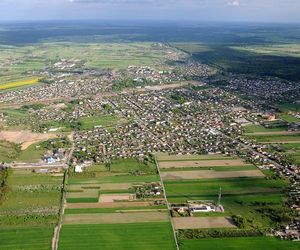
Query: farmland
[[286, 138], [153, 235], [249, 243], [38, 238], [21, 83]]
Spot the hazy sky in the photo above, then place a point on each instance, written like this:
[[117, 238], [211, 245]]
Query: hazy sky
[[209, 10]]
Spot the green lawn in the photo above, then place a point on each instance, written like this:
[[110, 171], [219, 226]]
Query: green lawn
[[249, 243], [26, 238], [146, 236]]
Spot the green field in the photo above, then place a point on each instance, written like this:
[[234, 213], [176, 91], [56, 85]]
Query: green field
[[289, 118], [133, 236], [218, 168], [38, 238], [34, 199], [162, 157], [259, 128], [103, 121], [249, 243], [8, 151], [276, 138]]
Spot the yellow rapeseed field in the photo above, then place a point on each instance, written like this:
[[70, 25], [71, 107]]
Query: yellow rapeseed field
[[20, 83]]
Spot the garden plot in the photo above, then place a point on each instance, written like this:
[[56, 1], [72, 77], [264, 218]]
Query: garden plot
[[116, 218], [202, 222], [202, 163], [209, 174]]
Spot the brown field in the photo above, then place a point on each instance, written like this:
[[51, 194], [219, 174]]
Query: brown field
[[167, 157], [25, 138], [209, 174], [202, 222], [115, 218], [110, 204], [204, 163], [104, 198]]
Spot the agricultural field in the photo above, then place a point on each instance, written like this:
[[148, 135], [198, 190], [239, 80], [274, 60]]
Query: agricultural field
[[262, 129], [20, 61], [148, 236], [34, 238], [34, 199], [246, 243], [110, 203], [17, 84], [277, 138], [249, 200]]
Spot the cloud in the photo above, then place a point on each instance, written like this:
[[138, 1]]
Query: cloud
[[235, 3]]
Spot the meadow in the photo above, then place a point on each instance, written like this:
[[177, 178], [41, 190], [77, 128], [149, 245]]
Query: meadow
[[34, 238], [148, 236]]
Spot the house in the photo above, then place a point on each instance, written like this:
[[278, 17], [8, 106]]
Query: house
[[78, 169]]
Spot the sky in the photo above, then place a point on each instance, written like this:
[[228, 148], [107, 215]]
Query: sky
[[179, 10]]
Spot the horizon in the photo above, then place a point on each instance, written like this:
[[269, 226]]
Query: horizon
[[268, 11]]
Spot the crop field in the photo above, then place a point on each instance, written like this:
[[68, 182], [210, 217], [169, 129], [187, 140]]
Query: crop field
[[116, 218], [148, 236], [111, 205], [209, 174], [216, 169], [246, 243], [230, 186], [34, 238], [202, 222], [289, 118], [202, 163], [277, 138], [21, 83], [292, 50], [34, 199], [162, 157], [260, 129], [17, 61]]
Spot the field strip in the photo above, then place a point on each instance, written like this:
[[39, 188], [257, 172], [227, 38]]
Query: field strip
[[116, 218], [280, 141], [274, 133], [202, 222], [167, 157], [209, 174], [109, 205], [204, 163], [104, 186]]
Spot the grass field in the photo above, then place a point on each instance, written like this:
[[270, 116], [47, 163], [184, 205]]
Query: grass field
[[259, 128], [26, 238], [21, 83], [289, 118], [250, 243], [162, 157], [8, 151], [147, 236], [103, 121], [277, 138]]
